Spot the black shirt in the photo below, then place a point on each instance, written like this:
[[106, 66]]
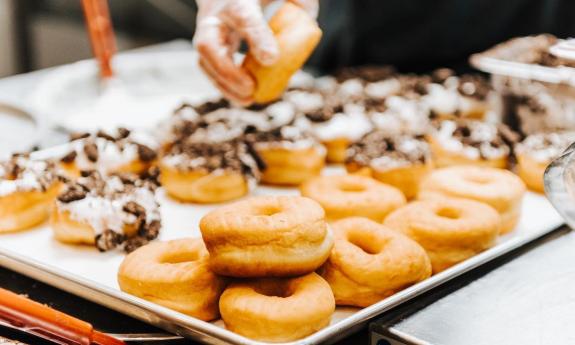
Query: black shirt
[[420, 35]]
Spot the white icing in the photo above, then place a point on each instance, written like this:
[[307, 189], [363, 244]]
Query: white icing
[[349, 125], [305, 101], [442, 100], [383, 89], [481, 132], [327, 84], [28, 181], [103, 213], [351, 88], [544, 147]]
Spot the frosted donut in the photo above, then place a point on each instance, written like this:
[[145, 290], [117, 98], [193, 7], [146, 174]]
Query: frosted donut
[[297, 35], [115, 211], [498, 188], [401, 161], [267, 236], [370, 262], [353, 195], [451, 230], [27, 190], [278, 310], [122, 151], [208, 172], [468, 142], [173, 274], [536, 152]]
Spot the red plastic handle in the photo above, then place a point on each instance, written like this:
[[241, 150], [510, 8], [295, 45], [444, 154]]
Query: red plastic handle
[[99, 25], [45, 322]]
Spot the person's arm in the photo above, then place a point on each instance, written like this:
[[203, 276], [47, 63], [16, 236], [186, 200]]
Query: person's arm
[[221, 26]]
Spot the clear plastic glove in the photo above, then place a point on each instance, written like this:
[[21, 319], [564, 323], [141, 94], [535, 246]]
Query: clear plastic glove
[[221, 26]]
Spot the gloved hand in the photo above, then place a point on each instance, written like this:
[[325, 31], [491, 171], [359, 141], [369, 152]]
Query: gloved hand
[[221, 25]]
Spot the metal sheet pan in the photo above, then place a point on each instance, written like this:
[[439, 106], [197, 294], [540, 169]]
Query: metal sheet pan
[[91, 275]]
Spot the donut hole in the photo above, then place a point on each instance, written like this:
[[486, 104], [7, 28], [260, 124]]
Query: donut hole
[[478, 179], [364, 244], [448, 212], [177, 258], [274, 290], [352, 187], [267, 210]]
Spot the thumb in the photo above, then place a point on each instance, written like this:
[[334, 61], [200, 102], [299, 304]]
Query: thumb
[[251, 25]]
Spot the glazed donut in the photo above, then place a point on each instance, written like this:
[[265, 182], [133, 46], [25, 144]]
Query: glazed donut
[[499, 188], [267, 236], [115, 211], [174, 274], [353, 195], [208, 172], [297, 35], [27, 190], [288, 165], [401, 161], [122, 152], [469, 142], [536, 152], [370, 262], [451, 230], [277, 310]]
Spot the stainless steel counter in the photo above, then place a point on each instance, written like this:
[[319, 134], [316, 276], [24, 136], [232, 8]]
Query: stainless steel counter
[[530, 299]]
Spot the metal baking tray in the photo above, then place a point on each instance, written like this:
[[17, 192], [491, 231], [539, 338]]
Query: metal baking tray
[[85, 272], [493, 61]]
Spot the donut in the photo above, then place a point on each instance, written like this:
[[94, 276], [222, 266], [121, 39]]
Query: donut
[[173, 274], [208, 172], [451, 230], [123, 151], [469, 142], [277, 310], [107, 212], [501, 189], [536, 152], [335, 124], [353, 195], [370, 262], [452, 97], [267, 236], [401, 161], [297, 35], [27, 190]]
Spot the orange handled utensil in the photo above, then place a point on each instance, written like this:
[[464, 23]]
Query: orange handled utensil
[[99, 25], [42, 321]]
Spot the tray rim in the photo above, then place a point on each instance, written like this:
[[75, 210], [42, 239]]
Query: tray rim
[[203, 331]]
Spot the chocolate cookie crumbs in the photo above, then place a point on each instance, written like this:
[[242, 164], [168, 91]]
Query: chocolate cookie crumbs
[[145, 153], [123, 133], [69, 157], [134, 208], [109, 239], [102, 134], [72, 193], [91, 151], [134, 243], [211, 106], [77, 136]]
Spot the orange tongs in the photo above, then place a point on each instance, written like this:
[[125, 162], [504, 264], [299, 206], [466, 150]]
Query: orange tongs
[[101, 34], [21, 313]]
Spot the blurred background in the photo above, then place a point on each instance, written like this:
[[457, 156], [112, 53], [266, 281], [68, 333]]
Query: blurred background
[[39, 34]]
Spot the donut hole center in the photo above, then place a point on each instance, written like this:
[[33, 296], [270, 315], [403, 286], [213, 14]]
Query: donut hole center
[[448, 212], [177, 258], [364, 244], [352, 188], [274, 290], [268, 210], [478, 179]]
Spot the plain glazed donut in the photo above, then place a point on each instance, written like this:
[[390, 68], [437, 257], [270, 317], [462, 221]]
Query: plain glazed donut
[[277, 310], [501, 189], [267, 236], [451, 230], [287, 166], [370, 262], [353, 195], [173, 274], [297, 35]]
